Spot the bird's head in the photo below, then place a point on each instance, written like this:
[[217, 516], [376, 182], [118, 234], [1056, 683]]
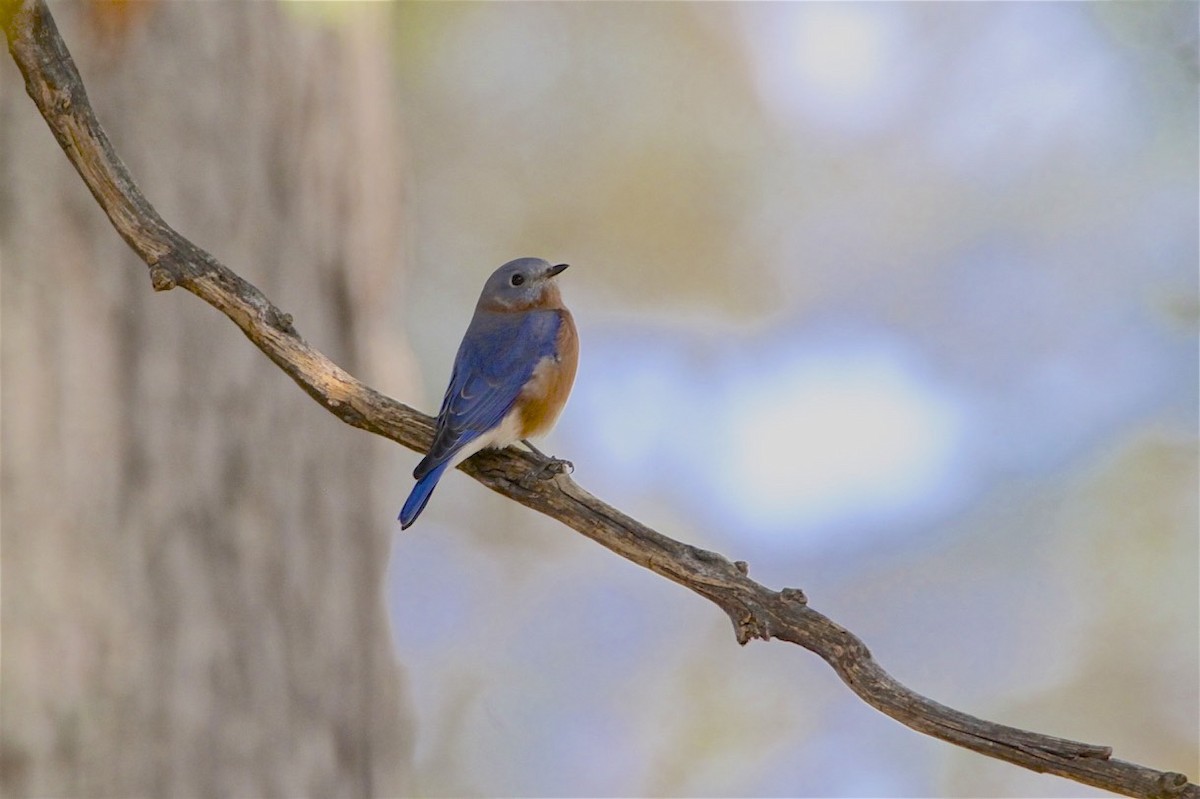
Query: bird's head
[[521, 285]]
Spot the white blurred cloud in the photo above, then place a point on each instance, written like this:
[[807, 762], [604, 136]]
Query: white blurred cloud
[[834, 437], [833, 64]]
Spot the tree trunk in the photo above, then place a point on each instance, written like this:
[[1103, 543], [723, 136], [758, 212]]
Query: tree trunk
[[193, 550]]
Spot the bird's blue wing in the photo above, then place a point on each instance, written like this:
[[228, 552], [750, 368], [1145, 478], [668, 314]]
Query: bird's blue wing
[[494, 362]]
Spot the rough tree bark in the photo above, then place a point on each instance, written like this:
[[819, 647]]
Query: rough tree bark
[[756, 611], [207, 634]]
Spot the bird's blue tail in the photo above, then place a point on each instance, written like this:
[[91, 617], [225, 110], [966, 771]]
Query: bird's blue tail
[[420, 496]]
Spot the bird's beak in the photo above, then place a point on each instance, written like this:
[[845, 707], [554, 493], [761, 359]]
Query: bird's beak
[[556, 269]]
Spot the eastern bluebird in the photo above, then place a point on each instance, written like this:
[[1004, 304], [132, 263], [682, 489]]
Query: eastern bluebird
[[511, 377]]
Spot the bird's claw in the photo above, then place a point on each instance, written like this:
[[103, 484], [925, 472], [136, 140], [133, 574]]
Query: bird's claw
[[546, 470]]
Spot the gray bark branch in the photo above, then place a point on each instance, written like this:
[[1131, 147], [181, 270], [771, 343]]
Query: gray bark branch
[[756, 611]]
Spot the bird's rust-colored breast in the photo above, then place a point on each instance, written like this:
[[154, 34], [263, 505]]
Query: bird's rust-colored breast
[[546, 393]]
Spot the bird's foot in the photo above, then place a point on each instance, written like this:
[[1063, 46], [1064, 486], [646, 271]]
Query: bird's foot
[[548, 469]]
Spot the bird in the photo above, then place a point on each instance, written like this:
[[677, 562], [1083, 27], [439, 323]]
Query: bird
[[511, 377]]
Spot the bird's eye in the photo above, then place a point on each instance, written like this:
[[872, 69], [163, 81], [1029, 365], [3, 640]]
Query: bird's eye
[[517, 279]]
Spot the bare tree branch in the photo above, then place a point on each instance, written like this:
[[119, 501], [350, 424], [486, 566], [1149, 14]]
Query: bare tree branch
[[756, 611]]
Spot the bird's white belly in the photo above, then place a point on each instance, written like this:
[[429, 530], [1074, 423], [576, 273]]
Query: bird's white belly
[[502, 435]]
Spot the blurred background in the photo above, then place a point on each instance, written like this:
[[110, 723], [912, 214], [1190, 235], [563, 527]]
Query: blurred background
[[896, 302]]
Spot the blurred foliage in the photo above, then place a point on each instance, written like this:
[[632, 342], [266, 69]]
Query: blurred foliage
[[1002, 197]]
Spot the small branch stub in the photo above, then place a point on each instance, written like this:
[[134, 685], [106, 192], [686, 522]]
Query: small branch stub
[[1172, 784], [793, 596], [161, 278]]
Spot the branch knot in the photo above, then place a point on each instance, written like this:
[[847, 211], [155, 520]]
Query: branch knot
[[161, 278], [1171, 784], [793, 596]]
